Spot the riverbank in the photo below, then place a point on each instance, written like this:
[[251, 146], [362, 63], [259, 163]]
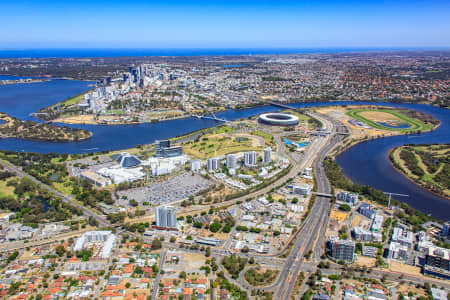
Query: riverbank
[[29, 130], [363, 132], [418, 172], [70, 112], [22, 81]]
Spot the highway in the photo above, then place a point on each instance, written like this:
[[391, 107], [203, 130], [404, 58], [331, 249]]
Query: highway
[[317, 217]]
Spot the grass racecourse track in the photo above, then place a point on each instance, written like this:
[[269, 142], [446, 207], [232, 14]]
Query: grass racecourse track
[[415, 125]]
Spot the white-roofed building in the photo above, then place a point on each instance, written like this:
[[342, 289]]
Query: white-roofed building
[[102, 240], [403, 236]]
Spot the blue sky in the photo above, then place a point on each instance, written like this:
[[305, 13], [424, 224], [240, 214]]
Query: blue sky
[[223, 24]]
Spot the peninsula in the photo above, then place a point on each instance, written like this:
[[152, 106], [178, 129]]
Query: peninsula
[[426, 165], [29, 130]]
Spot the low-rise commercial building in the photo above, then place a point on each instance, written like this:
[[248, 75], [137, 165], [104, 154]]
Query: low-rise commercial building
[[103, 240], [351, 198], [366, 210], [196, 165], [397, 251], [360, 234], [403, 236], [96, 179], [377, 223]]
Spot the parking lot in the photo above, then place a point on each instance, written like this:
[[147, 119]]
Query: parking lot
[[176, 188]]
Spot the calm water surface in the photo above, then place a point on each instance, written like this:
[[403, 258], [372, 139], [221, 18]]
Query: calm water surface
[[366, 163]]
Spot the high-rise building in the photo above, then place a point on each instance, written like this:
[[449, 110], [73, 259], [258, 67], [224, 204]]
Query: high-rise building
[[250, 158], [231, 161], [166, 217], [267, 155], [213, 164], [437, 262], [341, 249], [164, 149]]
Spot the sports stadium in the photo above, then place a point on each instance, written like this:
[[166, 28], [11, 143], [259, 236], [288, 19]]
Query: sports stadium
[[278, 119]]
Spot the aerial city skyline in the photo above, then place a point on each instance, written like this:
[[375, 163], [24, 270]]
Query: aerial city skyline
[[225, 150]]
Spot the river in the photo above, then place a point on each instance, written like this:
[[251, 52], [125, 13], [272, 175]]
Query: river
[[365, 163]]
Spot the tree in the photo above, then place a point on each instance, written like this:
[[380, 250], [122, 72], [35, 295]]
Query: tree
[[13, 256], [156, 244], [215, 227], [198, 225], [60, 250], [155, 268], [226, 229], [92, 221], [345, 207]]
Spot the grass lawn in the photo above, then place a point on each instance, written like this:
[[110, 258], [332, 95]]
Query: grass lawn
[[216, 146], [115, 112], [74, 100], [301, 117], [223, 129], [415, 125], [5, 190]]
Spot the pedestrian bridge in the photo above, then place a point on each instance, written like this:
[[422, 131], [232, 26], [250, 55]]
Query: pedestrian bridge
[[211, 117], [322, 194]]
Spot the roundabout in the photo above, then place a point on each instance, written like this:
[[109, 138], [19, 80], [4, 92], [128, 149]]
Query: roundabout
[[278, 119]]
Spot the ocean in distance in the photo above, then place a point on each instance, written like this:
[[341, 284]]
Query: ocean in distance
[[115, 52]]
